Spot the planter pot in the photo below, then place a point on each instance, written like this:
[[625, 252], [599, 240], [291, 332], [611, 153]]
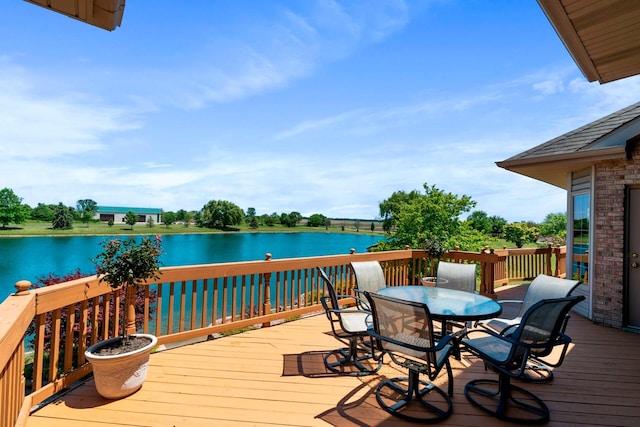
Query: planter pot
[[120, 375]]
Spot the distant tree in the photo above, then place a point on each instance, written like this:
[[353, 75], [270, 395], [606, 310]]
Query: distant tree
[[479, 220], [356, 224], [496, 226], [554, 224], [251, 218], [327, 223], [150, 222], [316, 220], [131, 219], [520, 233], [270, 220], [42, 212], [180, 214], [62, 218], [110, 222], [221, 214], [12, 211], [87, 208], [168, 218], [373, 226], [290, 219], [187, 218]]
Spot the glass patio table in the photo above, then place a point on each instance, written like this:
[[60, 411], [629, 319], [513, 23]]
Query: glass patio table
[[447, 304]]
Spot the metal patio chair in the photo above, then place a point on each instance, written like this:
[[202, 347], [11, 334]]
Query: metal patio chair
[[404, 330], [539, 332], [542, 287], [369, 277], [349, 326]]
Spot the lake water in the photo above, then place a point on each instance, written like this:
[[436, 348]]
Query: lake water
[[30, 258]]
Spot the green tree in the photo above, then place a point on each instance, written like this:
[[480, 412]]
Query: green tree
[[12, 211], [316, 220], [290, 219], [270, 220], [221, 214], [479, 220], [87, 208], [62, 218], [520, 233], [390, 208], [554, 224], [327, 223], [373, 225], [432, 215], [168, 218], [187, 218], [497, 224], [42, 212], [131, 219]]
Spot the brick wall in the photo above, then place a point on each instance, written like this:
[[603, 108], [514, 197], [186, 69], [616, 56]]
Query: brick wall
[[611, 178]]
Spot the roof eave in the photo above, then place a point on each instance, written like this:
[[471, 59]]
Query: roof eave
[[561, 23], [554, 169]]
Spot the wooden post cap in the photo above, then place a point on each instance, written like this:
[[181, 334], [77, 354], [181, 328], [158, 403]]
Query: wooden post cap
[[23, 287]]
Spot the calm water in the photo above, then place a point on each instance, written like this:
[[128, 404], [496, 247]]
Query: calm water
[[33, 257]]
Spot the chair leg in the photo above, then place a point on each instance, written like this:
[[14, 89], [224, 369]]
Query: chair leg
[[402, 396], [536, 372], [500, 395], [353, 356]]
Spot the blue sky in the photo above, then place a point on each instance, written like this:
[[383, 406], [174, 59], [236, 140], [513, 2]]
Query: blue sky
[[312, 106]]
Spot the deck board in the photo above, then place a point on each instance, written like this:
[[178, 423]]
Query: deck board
[[275, 377]]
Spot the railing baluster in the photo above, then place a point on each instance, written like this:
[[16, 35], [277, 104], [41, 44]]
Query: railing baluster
[[205, 300]]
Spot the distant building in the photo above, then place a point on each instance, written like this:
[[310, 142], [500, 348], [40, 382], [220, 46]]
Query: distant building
[[117, 214]]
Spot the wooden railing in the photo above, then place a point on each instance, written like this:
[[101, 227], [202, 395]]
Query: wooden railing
[[190, 302]]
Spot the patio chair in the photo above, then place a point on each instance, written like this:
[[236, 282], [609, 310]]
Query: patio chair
[[458, 276], [542, 287], [404, 330], [539, 331], [349, 326], [369, 277]]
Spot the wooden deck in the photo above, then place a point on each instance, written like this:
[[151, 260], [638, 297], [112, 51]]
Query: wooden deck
[[275, 377]]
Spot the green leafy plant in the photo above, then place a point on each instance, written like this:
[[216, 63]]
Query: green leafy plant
[[434, 249], [125, 262]]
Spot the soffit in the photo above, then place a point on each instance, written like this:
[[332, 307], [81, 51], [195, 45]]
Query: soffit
[[106, 14], [602, 36]]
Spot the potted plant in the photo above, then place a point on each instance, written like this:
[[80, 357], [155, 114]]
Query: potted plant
[[434, 250], [120, 363]]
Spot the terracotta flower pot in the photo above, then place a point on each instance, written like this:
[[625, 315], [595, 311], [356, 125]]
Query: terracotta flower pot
[[119, 375]]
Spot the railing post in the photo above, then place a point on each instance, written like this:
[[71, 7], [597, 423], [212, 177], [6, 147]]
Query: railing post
[[548, 259], [16, 313], [487, 274], [266, 285]]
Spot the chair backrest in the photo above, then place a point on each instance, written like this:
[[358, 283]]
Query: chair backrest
[[369, 275], [453, 275], [542, 324], [403, 326], [546, 287], [333, 296]]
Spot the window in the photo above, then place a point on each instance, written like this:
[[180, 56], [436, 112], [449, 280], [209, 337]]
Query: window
[[580, 248]]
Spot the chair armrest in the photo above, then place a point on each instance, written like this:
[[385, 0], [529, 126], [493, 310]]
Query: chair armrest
[[509, 301], [442, 342]]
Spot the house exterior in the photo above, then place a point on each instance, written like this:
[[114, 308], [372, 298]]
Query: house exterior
[[598, 165], [117, 214]]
